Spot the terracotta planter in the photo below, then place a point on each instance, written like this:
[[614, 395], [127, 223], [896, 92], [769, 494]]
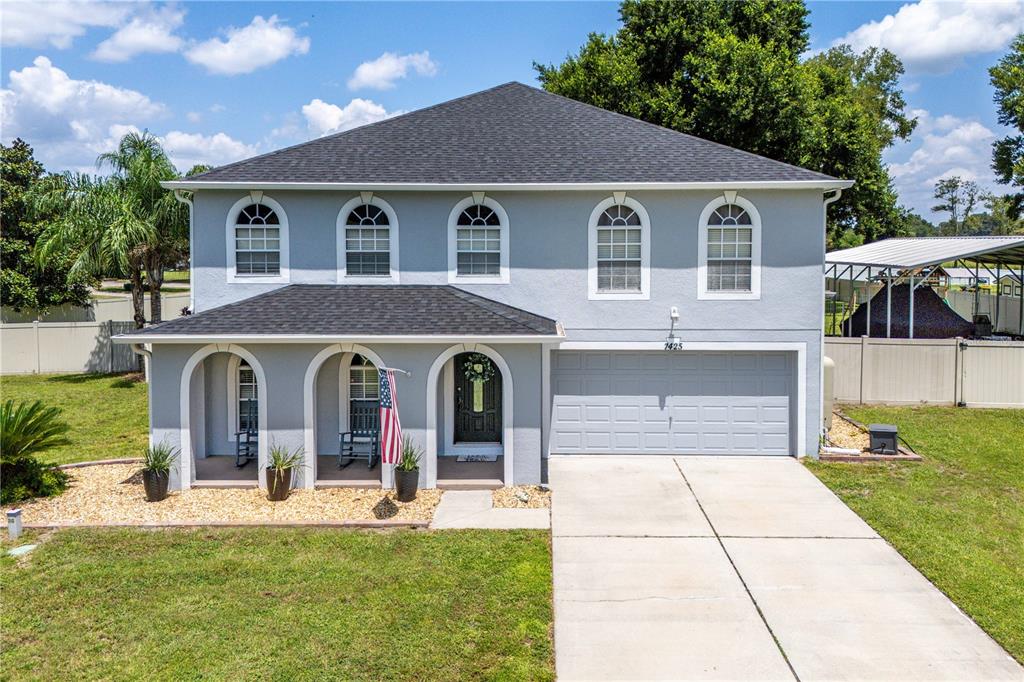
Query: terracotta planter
[[155, 483], [406, 483], [279, 484]]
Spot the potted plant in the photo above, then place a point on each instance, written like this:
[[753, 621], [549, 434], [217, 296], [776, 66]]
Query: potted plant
[[156, 470], [407, 471], [279, 471]]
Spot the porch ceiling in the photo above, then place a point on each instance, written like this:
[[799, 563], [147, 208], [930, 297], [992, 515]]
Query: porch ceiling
[[349, 311]]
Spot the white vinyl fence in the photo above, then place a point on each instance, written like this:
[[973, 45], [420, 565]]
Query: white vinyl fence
[[61, 347], [937, 371], [1008, 320]]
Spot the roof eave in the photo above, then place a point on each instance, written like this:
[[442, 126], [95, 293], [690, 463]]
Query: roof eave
[[821, 184], [324, 338]]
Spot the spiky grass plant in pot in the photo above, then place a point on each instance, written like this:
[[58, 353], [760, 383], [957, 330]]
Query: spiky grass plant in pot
[[156, 470], [280, 466], [407, 471]]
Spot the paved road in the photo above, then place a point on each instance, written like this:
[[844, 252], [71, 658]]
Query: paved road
[[740, 568]]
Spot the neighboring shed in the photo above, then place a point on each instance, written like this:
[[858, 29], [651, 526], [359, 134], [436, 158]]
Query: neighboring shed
[[912, 261]]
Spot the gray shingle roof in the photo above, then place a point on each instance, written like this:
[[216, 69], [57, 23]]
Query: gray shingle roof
[[514, 134], [359, 310]]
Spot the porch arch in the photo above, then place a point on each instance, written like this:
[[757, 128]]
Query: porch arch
[[186, 464], [309, 406], [507, 394]]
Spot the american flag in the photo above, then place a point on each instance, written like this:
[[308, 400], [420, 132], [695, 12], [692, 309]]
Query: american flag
[[390, 427]]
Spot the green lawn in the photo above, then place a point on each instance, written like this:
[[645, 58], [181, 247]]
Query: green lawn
[[107, 413], [279, 604], [959, 515]]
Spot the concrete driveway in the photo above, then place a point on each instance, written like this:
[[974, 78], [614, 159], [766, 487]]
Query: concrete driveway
[[740, 568]]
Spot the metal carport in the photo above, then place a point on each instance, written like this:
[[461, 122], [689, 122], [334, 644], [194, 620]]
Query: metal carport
[[914, 259]]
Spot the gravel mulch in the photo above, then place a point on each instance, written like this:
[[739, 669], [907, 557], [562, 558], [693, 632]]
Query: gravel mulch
[[511, 497], [846, 435], [114, 494]]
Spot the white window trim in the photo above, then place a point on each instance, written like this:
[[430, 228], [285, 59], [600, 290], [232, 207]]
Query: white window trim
[[234, 366], [232, 276], [644, 294], [755, 253], [453, 259], [350, 205]]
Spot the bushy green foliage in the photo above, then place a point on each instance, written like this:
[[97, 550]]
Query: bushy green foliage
[[410, 457], [26, 284], [159, 458], [1008, 153], [731, 72], [27, 429]]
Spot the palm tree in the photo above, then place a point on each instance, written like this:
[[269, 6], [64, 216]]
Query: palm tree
[[29, 428], [125, 222], [139, 165], [98, 223]]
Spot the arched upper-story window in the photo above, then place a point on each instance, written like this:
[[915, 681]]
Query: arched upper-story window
[[257, 240], [367, 241], [619, 249], [478, 234], [729, 250]]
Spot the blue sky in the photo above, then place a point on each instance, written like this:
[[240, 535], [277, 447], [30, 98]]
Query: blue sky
[[219, 81]]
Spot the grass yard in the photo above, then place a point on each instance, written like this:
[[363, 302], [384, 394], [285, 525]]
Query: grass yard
[[107, 413], [959, 515], [279, 604]]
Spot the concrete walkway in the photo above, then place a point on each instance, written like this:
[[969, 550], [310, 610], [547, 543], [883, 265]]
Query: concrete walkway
[[472, 509], [740, 568]]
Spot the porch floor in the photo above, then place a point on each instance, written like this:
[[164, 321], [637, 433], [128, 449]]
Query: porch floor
[[355, 475], [219, 471], [456, 475]]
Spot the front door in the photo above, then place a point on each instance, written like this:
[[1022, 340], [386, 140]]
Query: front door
[[477, 399]]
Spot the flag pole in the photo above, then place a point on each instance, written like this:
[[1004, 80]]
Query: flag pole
[[395, 369]]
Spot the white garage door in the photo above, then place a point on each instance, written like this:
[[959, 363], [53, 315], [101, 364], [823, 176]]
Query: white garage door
[[666, 402]]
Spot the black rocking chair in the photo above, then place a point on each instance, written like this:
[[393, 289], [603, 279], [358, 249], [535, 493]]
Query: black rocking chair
[[362, 440], [247, 441]]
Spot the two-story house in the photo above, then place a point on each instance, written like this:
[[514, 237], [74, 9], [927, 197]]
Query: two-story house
[[552, 278]]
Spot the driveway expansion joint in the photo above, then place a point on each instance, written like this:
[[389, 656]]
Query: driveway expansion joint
[[739, 575]]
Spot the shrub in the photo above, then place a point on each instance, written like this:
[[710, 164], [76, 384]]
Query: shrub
[[410, 457], [159, 458], [27, 429]]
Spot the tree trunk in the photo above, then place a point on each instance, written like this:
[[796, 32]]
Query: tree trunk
[[155, 273], [138, 298]]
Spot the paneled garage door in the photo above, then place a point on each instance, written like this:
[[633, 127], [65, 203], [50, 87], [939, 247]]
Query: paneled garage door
[[657, 402]]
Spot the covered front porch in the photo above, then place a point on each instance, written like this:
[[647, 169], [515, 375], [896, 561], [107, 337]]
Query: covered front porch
[[471, 406]]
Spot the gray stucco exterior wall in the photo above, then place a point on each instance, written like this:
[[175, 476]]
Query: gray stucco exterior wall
[[285, 367], [548, 234]]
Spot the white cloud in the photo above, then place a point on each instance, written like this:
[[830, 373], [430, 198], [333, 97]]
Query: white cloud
[[190, 149], [382, 72], [69, 121], [262, 43], [56, 24], [150, 31], [194, 117], [948, 146], [935, 36], [323, 118]]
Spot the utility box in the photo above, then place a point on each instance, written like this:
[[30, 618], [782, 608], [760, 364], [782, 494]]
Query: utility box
[[883, 439]]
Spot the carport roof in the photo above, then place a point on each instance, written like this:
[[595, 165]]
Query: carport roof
[[315, 312], [918, 252]]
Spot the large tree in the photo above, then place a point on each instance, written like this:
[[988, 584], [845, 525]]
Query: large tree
[[1007, 78], [25, 284], [732, 72], [958, 197], [125, 221]]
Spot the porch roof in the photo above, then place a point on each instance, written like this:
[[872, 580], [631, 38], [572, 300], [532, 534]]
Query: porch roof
[[309, 312]]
